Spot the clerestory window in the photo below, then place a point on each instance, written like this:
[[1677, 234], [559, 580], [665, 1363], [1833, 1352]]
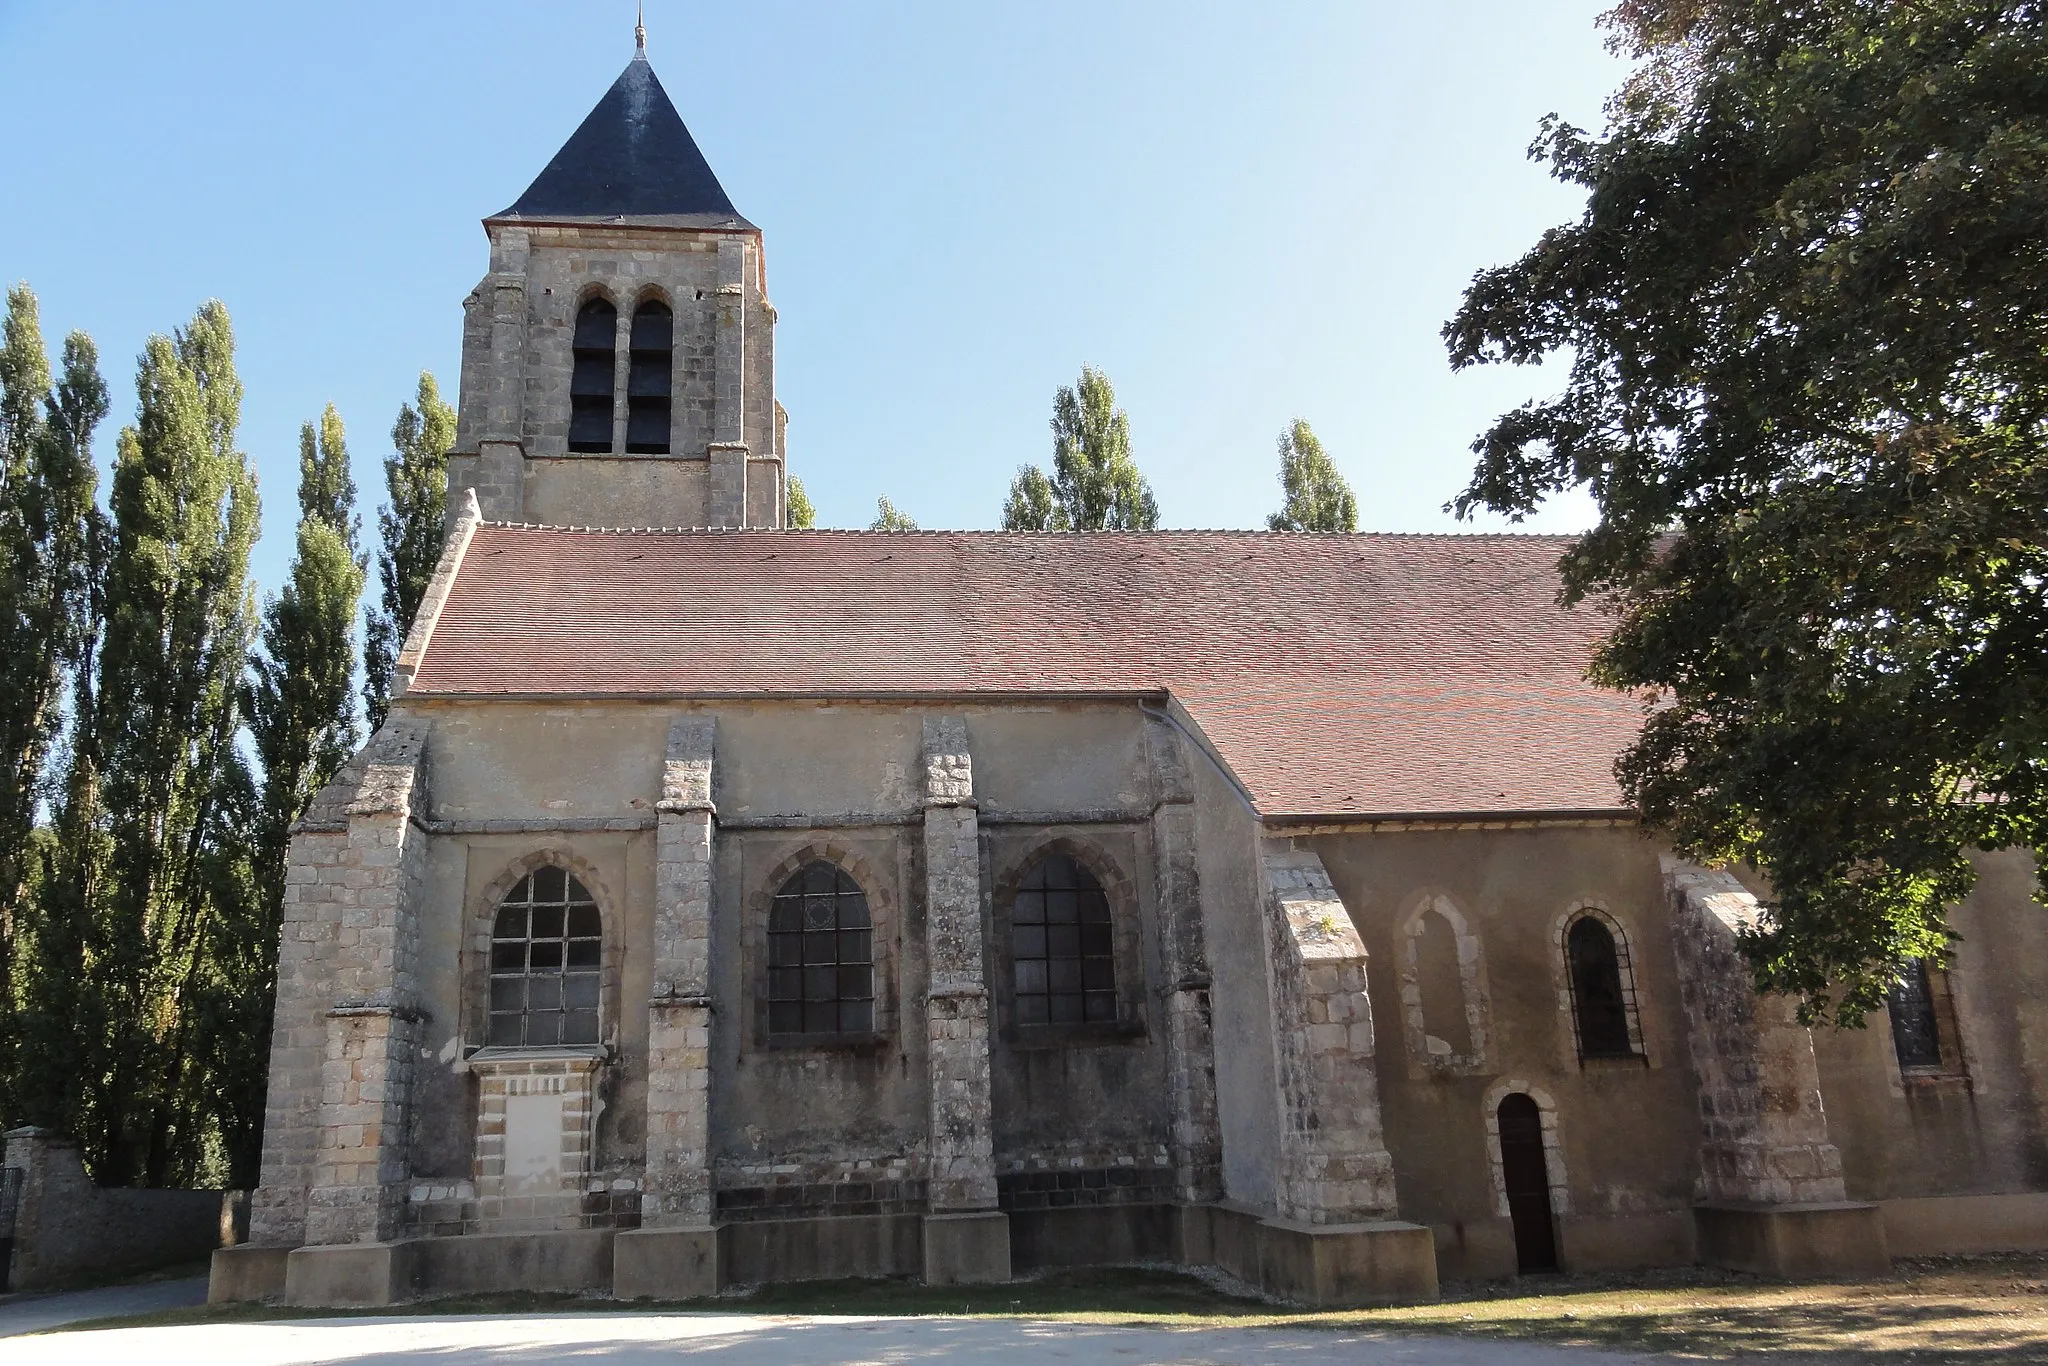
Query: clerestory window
[[546, 952], [592, 377], [821, 959], [1062, 949]]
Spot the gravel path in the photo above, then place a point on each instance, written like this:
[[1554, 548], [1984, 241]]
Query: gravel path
[[626, 1339], [30, 1312]]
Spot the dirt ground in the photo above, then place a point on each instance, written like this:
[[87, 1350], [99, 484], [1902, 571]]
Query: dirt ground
[[1960, 1310]]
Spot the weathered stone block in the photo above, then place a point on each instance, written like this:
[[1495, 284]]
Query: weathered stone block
[[353, 1275], [1795, 1242], [966, 1249], [667, 1264]]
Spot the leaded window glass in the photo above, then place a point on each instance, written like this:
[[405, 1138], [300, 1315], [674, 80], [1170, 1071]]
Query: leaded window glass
[[1915, 1034], [546, 951], [1061, 946], [1598, 1000], [821, 955]]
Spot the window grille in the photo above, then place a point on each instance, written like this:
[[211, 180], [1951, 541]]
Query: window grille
[[546, 950], [1061, 946], [592, 378], [1599, 999], [821, 974]]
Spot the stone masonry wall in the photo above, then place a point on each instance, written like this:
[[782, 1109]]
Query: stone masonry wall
[[962, 1170], [1764, 1135], [1333, 1167]]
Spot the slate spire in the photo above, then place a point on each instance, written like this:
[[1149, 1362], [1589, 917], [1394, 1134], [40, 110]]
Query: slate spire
[[631, 161]]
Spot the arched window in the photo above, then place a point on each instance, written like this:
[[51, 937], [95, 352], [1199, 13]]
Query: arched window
[[591, 380], [1061, 946], [821, 960], [1916, 1031], [1446, 1025], [1599, 1001], [545, 950], [647, 385]]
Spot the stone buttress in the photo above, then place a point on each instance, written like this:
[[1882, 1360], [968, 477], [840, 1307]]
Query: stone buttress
[[674, 1255], [965, 1237], [1770, 1191], [1197, 1143]]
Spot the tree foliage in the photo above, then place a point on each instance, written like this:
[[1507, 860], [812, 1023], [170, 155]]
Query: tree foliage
[[175, 792], [1808, 386], [410, 530], [802, 516], [48, 528], [889, 518], [1095, 484], [1318, 499]]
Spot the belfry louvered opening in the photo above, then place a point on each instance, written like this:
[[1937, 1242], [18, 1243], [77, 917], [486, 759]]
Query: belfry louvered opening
[[649, 378], [592, 378]]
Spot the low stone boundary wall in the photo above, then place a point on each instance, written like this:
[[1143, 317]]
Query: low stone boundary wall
[[66, 1227]]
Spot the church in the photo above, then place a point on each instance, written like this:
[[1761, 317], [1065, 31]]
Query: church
[[723, 903]]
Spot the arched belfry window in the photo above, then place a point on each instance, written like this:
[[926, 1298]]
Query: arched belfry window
[[546, 950], [1062, 947], [1600, 998], [821, 955], [647, 385], [593, 377]]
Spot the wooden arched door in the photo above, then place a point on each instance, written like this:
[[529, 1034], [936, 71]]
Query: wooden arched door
[[1527, 1177]]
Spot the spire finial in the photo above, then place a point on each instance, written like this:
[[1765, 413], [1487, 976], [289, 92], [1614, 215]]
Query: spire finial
[[640, 31]]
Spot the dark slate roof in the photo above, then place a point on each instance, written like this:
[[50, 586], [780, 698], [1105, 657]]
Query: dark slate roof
[[633, 161], [1338, 675]]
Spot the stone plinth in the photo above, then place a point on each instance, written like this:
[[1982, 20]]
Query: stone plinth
[[1326, 1265], [667, 1264], [354, 1275], [966, 1249], [1794, 1242]]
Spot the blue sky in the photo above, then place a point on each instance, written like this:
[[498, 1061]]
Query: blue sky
[[1242, 213]]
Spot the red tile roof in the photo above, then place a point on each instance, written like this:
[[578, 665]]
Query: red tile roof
[[1338, 675]]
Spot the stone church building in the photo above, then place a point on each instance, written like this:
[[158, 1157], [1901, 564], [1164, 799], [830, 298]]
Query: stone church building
[[724, 903]]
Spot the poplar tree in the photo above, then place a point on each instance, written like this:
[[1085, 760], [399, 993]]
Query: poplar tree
[[410, 528], [60, 1031], [1094, 485], [889, 518], [1318, 499], [301, 717], [46, 511], [801, 515], [176, 794]]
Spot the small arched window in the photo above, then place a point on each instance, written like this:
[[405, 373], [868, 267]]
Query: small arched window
[[1061, 946], [546, 947], [1599, 1000], [821, 958], [647, 385], [1916, 1030], [592, 377]]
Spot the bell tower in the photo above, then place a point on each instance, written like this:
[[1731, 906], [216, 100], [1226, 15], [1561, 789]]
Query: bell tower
[[618, 361]]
